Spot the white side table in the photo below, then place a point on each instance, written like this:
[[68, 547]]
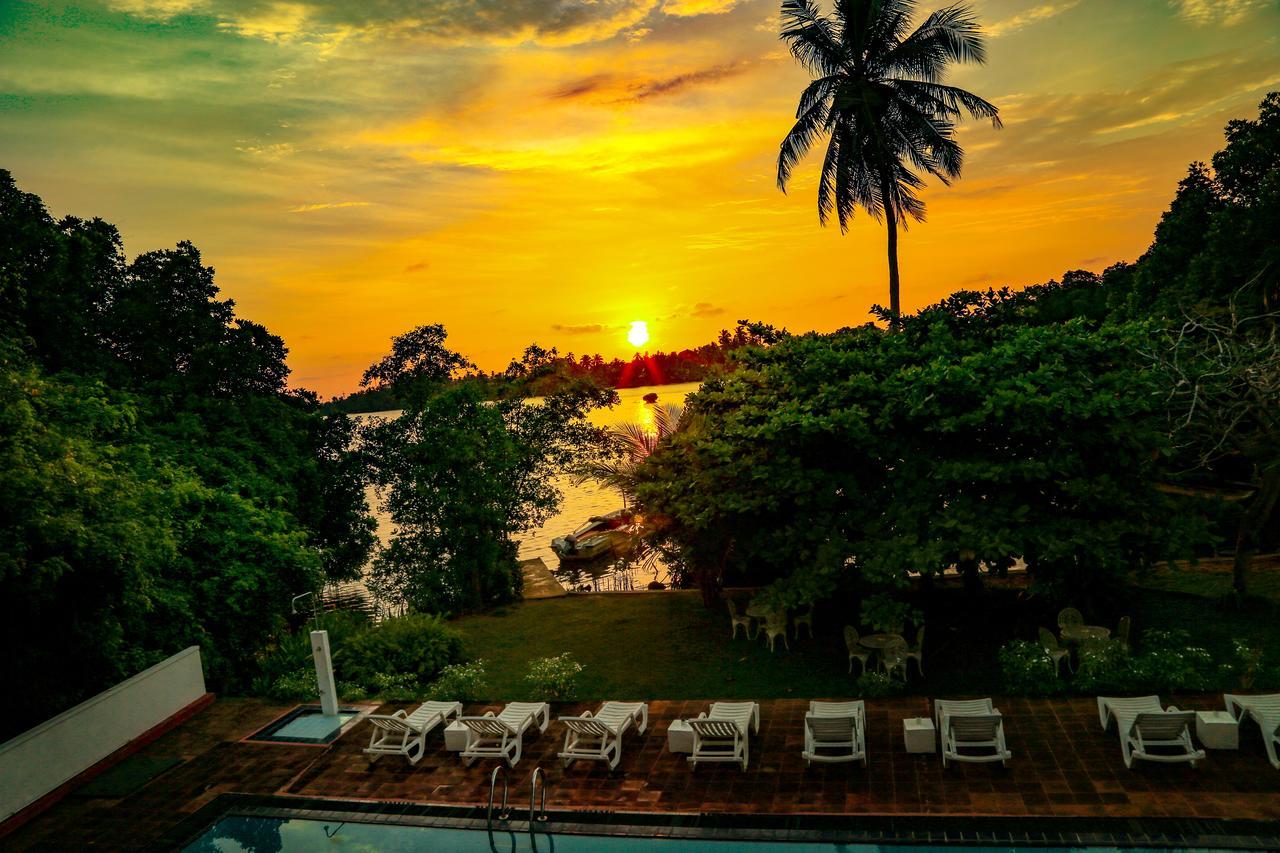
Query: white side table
[[457, 737], [1217, 730], [917, 733], [680, 736]]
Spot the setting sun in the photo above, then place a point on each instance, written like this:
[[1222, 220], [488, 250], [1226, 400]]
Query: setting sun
[[638, 336]]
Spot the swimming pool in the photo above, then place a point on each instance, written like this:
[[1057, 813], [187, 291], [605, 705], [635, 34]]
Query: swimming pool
[[253, 834]]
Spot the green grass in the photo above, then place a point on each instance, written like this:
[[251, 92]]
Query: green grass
[[668, 646]]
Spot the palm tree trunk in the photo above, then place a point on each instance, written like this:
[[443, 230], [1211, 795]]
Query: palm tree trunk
[[891, 221]]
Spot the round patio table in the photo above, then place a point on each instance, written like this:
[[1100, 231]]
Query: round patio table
[[879, 642], [1084, 633], [759, 615]]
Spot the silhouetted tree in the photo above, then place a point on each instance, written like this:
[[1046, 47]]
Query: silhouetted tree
[[878, 95]]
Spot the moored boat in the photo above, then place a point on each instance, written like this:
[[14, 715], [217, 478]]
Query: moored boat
[[601, 536]]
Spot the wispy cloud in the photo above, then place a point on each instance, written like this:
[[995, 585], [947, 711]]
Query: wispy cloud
[[328, 205], [1034, 15], [608, 88], [584, 329], [706, 309], [1224, 12], [689, 8]]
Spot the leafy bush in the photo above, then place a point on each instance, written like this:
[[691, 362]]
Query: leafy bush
[[878, 685], [400, 687], [461, 682], [554, 678], [1169, 662], [414, 646], [297, 685], [1105, 668], [1028, 669]]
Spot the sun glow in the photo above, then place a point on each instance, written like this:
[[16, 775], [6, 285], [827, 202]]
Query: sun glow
[[638, 336]]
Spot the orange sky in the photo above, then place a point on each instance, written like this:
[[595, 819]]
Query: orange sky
[[552, 170]]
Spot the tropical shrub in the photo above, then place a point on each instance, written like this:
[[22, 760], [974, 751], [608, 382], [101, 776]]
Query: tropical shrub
[[295, 686], [1029, 670], [877, 685], [396, 687], [415, 646], [554, 678], [461, 681], [886, 613]]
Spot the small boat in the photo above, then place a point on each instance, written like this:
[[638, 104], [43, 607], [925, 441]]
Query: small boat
[[601, 536]]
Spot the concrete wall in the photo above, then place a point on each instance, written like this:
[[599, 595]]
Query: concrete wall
[[40, 759]]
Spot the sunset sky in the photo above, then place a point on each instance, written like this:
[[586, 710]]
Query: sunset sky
[[553, 170]]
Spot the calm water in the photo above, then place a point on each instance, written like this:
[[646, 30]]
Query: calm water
[[582, 502], [235, 834]]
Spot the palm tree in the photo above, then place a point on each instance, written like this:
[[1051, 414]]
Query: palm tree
[[630, 445], [877, 92]]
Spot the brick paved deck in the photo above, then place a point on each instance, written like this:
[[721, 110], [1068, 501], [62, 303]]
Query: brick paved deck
[[1063, 765]]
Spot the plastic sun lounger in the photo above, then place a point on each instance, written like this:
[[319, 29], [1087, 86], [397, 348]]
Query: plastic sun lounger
[[406, 734], [1143, 723], [599, 737], [722, 734], [1264, 709], [502, 736], [970, 724], [840, 726]]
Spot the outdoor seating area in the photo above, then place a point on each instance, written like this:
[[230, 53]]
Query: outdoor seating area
[[1063, 764]]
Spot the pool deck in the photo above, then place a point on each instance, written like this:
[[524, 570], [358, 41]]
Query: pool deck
[[1063, 765]]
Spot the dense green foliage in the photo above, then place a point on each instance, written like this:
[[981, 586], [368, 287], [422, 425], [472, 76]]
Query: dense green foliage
[[462, 475], [1049, 425], [417, 645], [161, 485]]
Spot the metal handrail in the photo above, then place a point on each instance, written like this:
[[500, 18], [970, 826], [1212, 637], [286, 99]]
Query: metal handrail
[[533, 791], [503, 814], [493, 784]]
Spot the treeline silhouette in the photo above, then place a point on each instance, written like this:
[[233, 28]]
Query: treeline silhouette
[[545, 371]]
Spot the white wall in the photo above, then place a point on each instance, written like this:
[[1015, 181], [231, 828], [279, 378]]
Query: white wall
[[40, 759]]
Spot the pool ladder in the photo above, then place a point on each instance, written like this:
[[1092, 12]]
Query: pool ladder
[[537, 810]]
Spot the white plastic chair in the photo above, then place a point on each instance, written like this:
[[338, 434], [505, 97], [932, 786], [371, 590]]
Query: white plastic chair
[[1057, 652], [1263, 709], [775, 625], [916, 653], [406, 734], [840, 726], [502, 736], [1143, 723], [856, 650], [805, 618], [738, 619], [894, 657], [723, 733], [970, 724], [599, 737]]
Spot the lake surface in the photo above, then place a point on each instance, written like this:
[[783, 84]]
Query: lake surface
[[581, 502]]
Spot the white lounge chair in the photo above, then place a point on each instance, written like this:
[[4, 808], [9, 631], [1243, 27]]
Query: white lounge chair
[[599, 737], [1143, 723], [722, 734], [502, 736], [1263, 709], [970, 724], [406, 734], [840, 726]]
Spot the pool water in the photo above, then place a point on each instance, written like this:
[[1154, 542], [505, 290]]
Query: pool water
[[307, 725], [236, 834]]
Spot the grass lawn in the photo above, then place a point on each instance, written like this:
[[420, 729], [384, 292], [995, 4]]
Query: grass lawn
[[668, 646]]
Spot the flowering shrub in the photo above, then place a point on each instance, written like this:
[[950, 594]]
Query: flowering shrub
[[461, 682], [554, 678], [1029, 670], [395, 687], [878, 685]]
